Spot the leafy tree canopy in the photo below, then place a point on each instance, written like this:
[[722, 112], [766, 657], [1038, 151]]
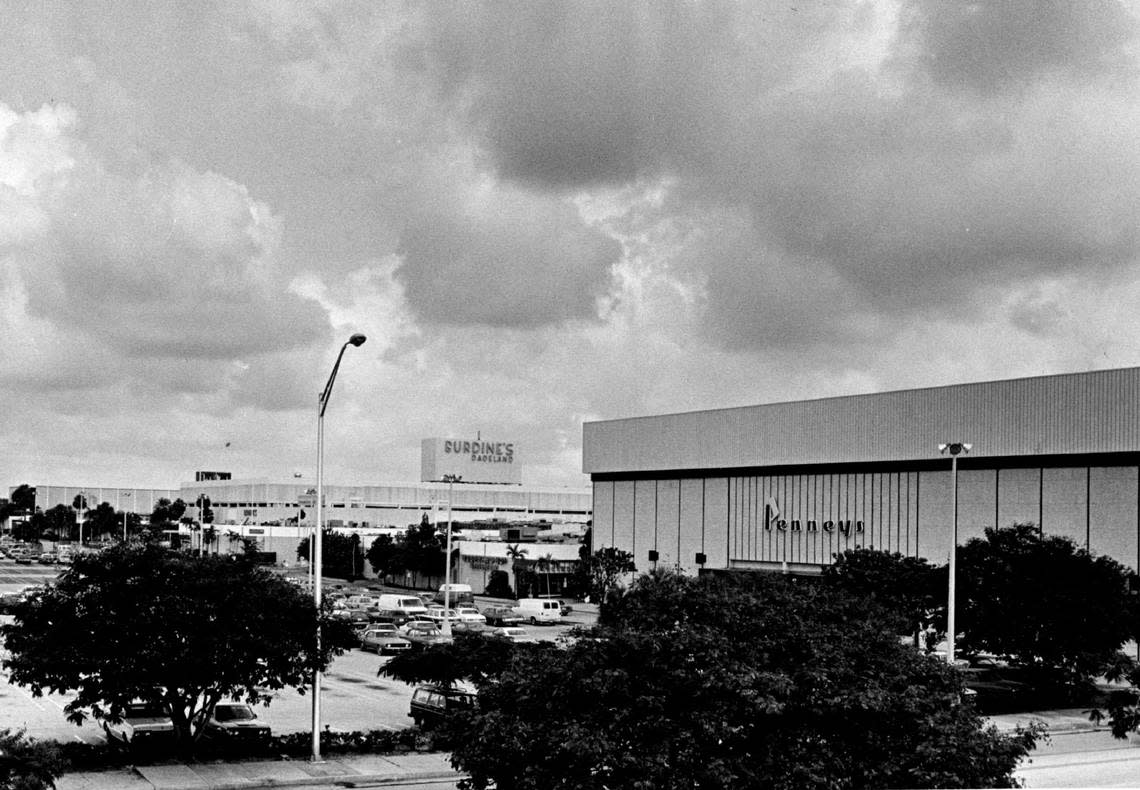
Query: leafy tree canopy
[[715, 683], [167, 512], [607, 567], [22, 500], [911, 591], [341, 555], [139, 622], [27, 764], [1043, 603]]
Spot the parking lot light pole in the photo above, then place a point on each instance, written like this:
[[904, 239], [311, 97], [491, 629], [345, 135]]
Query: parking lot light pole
[[315, 545], [451, 480], [954, 449], [126, 494]]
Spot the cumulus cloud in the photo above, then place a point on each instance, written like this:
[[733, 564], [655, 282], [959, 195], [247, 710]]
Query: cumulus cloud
[[853, 146], [543, 213], [171, 262]]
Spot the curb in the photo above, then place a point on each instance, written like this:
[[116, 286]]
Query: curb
[[349, 780]]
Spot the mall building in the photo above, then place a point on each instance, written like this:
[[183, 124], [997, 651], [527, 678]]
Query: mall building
[[278, 513], [788, 486]]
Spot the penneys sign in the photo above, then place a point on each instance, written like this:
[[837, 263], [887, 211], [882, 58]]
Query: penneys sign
[[772, 521]]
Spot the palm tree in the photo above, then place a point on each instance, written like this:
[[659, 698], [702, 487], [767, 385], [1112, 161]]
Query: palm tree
[[515, 553], [544, 565], [234, 537]]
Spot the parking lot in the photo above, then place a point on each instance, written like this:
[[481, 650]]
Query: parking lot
[[353, 697]]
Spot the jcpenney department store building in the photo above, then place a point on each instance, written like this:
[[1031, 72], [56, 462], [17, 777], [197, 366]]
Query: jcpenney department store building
[[787, 486]]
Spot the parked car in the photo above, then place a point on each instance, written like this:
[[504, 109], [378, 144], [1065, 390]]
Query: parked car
[[396, 617], [431, 705], [441, 615], [424, 634], [143, 725], [502, 616], [9, 600], [24, 554], [47, 558], [235, 722], [469, 614], [566, 608], [384, 641], [468, 626], [511, 634]]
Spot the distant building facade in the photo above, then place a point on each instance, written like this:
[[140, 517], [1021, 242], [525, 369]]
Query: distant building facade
[[787, 486]]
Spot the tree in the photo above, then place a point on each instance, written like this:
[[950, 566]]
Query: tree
[[104, 521], [166, 512], [763, 683], [340, 555], [1042, 603], [27, 764], [515, 553], [383, 556], [499, 585], [140, 622], [607, 567], [55, 523], [79, 505], [911, 591], [23, 500], [543, 565]]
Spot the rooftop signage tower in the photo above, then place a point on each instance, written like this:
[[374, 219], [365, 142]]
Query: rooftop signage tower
[[474, 460]]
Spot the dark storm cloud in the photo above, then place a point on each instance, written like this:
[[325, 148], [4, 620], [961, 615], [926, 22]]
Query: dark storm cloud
[[990, 46], [517, 261], [884, 189]]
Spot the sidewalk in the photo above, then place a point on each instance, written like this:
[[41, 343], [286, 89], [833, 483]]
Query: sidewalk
[[1060, 722], [372, 769]]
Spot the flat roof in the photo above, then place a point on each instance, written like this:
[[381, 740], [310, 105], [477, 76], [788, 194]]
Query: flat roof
[[1093, 412]]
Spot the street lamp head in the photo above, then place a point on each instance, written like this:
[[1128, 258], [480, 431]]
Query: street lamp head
[[955, 448], [357, 340]]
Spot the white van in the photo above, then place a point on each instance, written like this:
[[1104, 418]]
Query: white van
[[455, 594], [408, 604], [539, 610]]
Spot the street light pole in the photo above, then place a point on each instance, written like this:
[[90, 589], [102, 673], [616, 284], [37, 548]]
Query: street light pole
[[451, 480], [954, 449], [80, 504], [126, 494], [315, 544]]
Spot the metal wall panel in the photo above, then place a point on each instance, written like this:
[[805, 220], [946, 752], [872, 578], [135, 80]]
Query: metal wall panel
[[715, 524], [1094, 412], [602, 532], [690, 537], [668, 522], [1113, 514], [1065, 510]]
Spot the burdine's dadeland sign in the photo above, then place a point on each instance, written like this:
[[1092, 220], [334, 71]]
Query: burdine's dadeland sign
[[489, 452], [474, 460]]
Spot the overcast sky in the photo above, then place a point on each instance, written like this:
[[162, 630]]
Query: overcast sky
[[539, 214]]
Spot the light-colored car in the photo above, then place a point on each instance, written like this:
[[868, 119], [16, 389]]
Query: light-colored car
[[384, 641], [235, 722], [442, 615], [511, 634], [143, 724], [469, 614]]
